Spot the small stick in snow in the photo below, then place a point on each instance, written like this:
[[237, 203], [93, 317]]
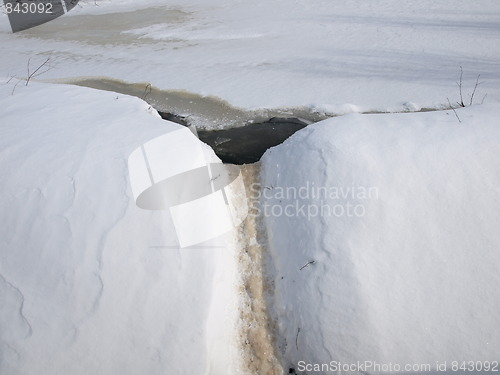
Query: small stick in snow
[[297, 339], [453, 109], [475, 88], [459, 83], [307, 264]]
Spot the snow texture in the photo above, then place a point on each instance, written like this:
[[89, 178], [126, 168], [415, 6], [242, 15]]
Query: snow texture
[[89, 282], [411, 275], [328, 56]]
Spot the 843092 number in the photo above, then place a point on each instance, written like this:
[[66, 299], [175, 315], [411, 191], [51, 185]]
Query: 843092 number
[[29, 8], [475, 366]]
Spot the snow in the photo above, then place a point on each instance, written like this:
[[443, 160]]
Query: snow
[[323, 55], [409, 273], [404, 269], [89, 282]]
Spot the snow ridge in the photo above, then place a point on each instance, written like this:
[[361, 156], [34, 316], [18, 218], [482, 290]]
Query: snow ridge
[[21, 300]]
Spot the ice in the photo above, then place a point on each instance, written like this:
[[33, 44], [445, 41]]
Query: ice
[[276, 54]]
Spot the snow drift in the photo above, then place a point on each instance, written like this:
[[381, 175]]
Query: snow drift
[[90, 283], [410, 274]]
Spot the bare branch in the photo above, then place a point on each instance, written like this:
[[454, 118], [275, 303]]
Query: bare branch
[[297, 339], [34, 74], [10, 79], [453, 109], [459, 83], [475, 88], [307, 264], [460, 90], [15, 86], [28, 69], [146, 92]]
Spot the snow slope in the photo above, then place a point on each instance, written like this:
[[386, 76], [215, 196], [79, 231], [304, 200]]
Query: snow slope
[[409, 274], [332, 56], [90, 283]]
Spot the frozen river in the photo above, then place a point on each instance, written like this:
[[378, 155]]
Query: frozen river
[[326, 57]]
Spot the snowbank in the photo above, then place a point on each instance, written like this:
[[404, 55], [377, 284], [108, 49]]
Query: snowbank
[[90, 283], [389, 248]]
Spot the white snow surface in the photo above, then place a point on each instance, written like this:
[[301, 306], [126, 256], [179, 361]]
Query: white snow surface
[[412, 277], [89, 282], [327, 55]]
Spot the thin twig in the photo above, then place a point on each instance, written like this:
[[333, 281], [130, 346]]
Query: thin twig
[[15, 86], [34, 74], [307, 264], [459, 83], [146, 92], [297, 339], [453, 109], [28, 69], [475, 88], [10, 79]]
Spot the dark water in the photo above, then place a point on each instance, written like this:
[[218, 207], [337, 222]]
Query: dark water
[[247, 144], [233, 143]]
